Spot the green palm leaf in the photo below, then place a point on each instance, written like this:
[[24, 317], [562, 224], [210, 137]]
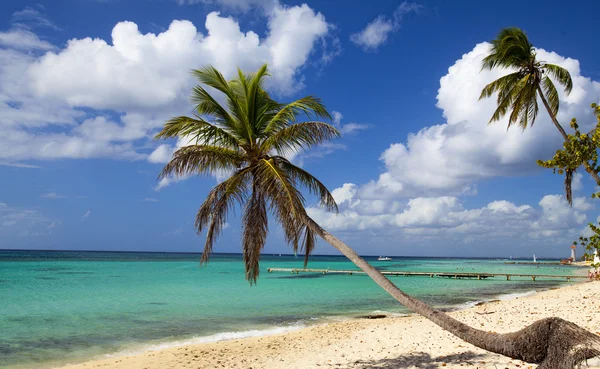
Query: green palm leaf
[[201, 159], [561, 75], [246, 136]]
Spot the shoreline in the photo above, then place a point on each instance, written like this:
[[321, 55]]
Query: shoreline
[[365, 343]]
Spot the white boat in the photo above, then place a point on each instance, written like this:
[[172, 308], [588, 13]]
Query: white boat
[[384, 258]]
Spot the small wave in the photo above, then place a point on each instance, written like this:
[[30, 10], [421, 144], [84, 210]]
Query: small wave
[[388, 313], [223, 336], [511, 296], [469, 304]]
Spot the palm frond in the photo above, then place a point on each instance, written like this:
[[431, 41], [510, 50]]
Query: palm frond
[[568, 183], [210, 76], [551, 95], [308, 106], [510, 49], [202, 159], [255, 224], [253, 95], [298, 137], [220, 200], [306, 179], [561, 75], [286, 202], [198, 130], [502, 85], [308, 244], [207, 105]]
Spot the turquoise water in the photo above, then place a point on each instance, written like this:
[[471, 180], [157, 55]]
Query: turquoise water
[[58, 307]]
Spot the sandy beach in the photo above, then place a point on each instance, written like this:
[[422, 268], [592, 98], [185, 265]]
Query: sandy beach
[[391, 342]]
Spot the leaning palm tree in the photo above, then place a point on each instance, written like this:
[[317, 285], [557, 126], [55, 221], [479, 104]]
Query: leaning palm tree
[[517, 92], [250, 138]]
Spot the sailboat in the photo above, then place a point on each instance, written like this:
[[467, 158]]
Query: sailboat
[[534, 259]]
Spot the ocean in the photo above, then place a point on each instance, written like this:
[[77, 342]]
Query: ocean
[[65, 307]]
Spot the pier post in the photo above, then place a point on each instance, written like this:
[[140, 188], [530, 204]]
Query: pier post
[[508, 278]]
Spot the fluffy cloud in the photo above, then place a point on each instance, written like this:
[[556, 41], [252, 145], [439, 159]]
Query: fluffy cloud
[[445, 219], [346, 128], [376, 32], [16, 221], [53, 104], [416, 198], [240, 5], [23, 39], [93, 73], [450, 158]]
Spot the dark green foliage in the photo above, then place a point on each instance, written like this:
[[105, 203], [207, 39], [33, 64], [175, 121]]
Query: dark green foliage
[[518, 91], [249, 137]]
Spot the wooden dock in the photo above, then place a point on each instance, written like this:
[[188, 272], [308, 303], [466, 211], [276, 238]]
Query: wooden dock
[[429, 274]]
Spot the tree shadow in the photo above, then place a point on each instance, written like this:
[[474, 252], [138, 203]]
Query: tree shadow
[[420, 360]]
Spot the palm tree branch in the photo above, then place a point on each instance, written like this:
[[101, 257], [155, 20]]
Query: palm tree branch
[[309, 106], [210, 76], [199, 130], [213, 212], [299, 136], [561, 75], [202, 159], [309, 181], [551, 95], [207, 105], [255, 229]]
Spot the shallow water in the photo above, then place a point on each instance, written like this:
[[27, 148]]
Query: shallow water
[[61, 307]]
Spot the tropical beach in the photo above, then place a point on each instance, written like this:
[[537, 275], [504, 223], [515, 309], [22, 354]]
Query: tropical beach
[[273, 184], [391, 342], [71, 307]]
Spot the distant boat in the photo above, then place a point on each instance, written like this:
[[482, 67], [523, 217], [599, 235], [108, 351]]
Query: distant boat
[[384, 258], [534, 259]]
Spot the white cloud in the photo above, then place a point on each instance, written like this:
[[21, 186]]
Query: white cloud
[[377, 31], [165, 181], [347, 127], [65, 88], [116, 76], [22, 222], [32, 17], [451, 158], [162, 154], [240, 5], [445, 219], [23, 39], [415, 199], [150, 199], [52, 195], [86, 215]]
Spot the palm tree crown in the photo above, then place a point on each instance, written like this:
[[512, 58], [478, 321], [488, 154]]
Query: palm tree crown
[[250, 138], [518, 91]]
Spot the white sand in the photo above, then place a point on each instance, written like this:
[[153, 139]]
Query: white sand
[[409, 342]]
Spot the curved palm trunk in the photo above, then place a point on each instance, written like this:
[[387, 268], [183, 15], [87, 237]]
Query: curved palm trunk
[[587, 167], [552, 342]]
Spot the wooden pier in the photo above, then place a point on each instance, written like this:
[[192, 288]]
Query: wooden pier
[[429, 274]]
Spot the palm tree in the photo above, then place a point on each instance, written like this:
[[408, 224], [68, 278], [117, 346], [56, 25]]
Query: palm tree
[[519, 90], [250, 138]]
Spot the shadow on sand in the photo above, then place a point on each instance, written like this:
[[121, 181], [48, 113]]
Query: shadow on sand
[[420, 360]]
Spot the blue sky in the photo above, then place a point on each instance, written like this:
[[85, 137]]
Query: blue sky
[[84, 85]]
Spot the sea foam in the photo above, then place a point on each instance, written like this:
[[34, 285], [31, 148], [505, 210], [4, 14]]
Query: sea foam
[[223, 336]]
